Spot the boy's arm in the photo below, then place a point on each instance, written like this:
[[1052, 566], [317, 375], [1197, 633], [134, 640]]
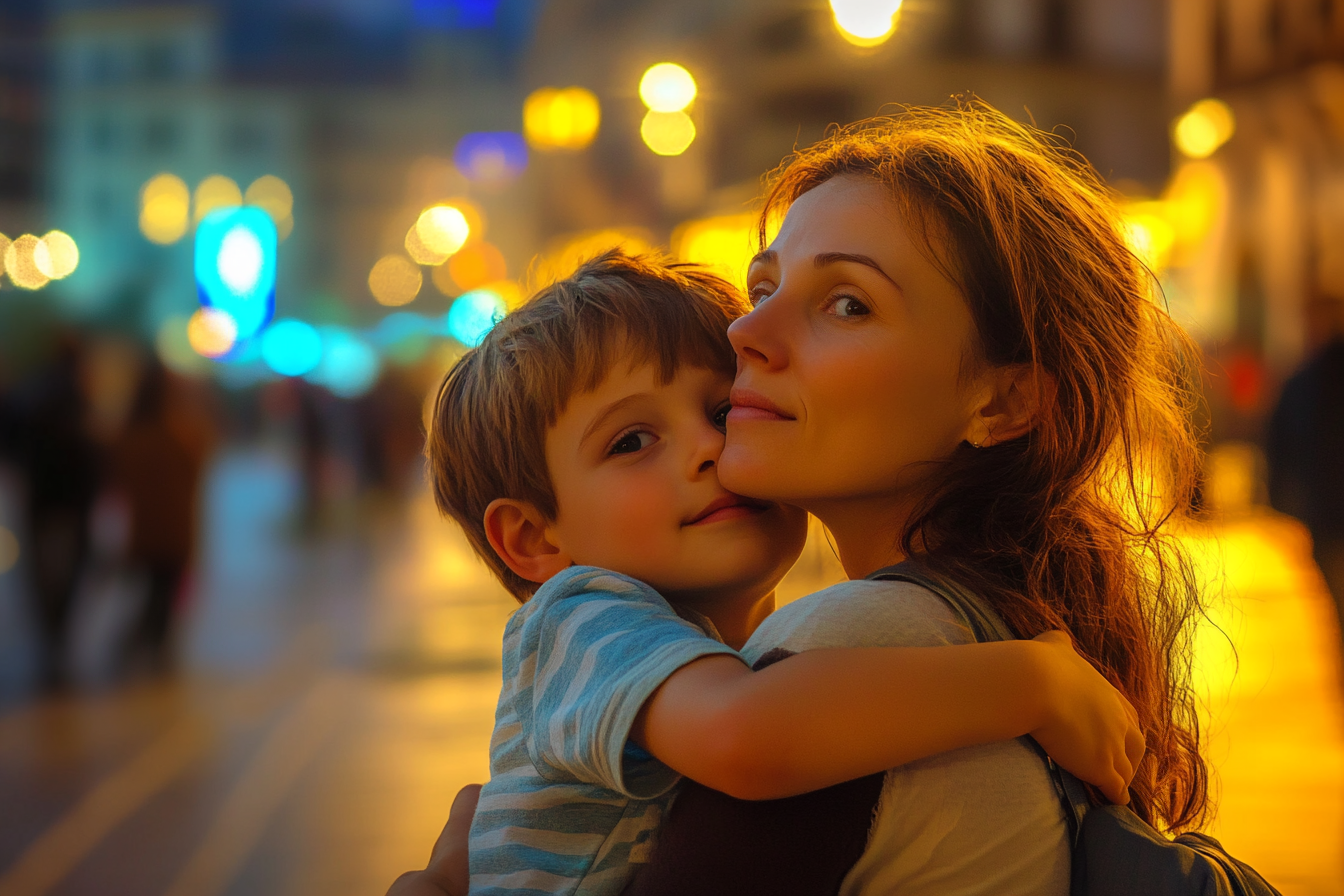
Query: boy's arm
[[826, 716]]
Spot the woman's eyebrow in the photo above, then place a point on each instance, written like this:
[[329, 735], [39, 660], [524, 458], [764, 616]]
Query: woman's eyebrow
[[765, 256], [823, 259]]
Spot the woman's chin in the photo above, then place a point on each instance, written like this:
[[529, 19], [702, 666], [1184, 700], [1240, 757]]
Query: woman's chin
[[741, 471]]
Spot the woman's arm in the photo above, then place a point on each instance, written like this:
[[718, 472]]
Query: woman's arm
[[826, 716]]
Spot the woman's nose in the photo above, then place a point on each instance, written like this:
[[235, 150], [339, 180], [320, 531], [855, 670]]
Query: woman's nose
[[753, 340]]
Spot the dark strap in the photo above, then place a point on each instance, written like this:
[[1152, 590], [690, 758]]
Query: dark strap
[[986, 625]]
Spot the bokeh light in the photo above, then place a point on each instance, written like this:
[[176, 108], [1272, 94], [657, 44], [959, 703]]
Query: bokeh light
[[211, 333], [291, 347], [561, 119], [272, 195], [21, 263], [726, 243], [866, 23], [56, 255], [174, 348], [9, 550], [667, 133], [1149, 234], [404, 336], [667, 87], [476, 266], [165, 209], [419, 252], [563, 256], [473, 314], [349, 366], [235, 265], [491, 157], [4, 248], [395, 280], [1205, 126], [216, 191], [439, 232]]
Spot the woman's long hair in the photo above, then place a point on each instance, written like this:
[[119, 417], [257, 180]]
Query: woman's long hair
[[1069, 526]]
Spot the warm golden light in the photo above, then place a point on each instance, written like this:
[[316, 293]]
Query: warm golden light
[[21, 263], [726, 243], [667, 133], [211, 332], [561, 119], [174, 349], [395, 280], [56, 255], [419, 252], [4, 247], [667, 87], [866, 23], [216, 191], [272, 195], [476, 266], [1149, 233], [1207, 125], [565, 254], [442, 229], [165, 209]]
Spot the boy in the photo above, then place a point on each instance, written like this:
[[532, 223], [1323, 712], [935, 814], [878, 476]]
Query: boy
[[585, 430]]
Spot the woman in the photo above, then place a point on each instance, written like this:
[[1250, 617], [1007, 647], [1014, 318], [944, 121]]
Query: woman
[[955, 359]]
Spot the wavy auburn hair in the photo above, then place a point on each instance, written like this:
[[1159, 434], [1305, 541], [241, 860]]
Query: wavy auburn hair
[[1068, 526]]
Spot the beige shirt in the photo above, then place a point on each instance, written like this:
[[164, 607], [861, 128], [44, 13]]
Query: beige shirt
[[982, 820]]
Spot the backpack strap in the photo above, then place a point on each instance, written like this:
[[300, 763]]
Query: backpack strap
[[986, 625]]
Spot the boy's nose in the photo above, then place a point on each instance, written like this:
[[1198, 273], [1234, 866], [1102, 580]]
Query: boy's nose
[[705, 465]]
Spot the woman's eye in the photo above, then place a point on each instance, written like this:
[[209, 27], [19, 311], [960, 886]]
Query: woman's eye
[[759, 293], [632, 442], [848, 306]]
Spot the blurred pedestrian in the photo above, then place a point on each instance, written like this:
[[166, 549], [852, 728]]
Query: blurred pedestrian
[[60, 465], [156, 469], [1305, 445]]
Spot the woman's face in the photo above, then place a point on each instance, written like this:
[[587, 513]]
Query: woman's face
[[849, 367]]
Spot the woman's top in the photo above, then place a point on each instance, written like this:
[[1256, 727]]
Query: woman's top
[[979, 820]]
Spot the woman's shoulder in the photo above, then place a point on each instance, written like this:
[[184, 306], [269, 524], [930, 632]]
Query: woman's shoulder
[[861, 613]]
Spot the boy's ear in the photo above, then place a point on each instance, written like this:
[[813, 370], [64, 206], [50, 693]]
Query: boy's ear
[[519, 534], [1014, 398]]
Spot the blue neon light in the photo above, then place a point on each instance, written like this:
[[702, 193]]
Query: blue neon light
[[474, 314], [291, 347], [349, 365], [491, 155], [235, 265]]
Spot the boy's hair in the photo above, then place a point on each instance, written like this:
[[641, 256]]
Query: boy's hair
[[488, 433]]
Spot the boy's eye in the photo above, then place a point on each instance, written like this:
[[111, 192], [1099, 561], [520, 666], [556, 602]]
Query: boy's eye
[[631, 442], [720, 417], [848, 306]]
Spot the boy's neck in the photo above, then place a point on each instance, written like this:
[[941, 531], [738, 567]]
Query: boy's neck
[[735, 619]]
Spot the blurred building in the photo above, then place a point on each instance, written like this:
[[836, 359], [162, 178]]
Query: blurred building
[[21, 72]]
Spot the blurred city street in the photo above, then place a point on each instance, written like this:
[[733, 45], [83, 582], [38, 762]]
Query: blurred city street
[[336, 692]]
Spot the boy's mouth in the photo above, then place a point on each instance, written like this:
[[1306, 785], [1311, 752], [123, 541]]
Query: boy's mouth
[[727, 507]]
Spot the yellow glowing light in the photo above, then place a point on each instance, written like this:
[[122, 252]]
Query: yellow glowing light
[[273, 195], [1149, 234], [9, 550], [725, 243], [395, 280], [564, 255], [56, 255], [21, 263], [443, 229], [1207, 125], [510, 293], [216, 191], [561, 119], [211, 332], [284, 227], [421, 253], [477, 265], [4, 247], [866, 23], [174, 349], [1195, 200], [667, 87], [667, 133], [165, 209]]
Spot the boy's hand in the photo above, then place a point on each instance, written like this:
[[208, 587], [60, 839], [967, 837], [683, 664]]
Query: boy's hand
[[446, 874], [1090, 729]]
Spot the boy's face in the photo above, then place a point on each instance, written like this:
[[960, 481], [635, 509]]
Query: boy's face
[[635, 470]]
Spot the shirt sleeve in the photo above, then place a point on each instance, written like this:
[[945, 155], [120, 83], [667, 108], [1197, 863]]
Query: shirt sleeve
[[601, 644]]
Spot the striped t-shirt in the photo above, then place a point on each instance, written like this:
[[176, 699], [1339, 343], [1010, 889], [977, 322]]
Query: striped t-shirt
[[571, 805]]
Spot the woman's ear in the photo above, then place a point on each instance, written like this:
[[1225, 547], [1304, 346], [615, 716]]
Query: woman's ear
[[1011, 403], [520, 535]]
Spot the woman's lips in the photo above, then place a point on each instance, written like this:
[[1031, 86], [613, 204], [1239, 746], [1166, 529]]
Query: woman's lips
[[749, 405], [728, 507]]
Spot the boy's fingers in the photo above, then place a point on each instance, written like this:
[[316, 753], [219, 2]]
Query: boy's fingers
[[453, 837]]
